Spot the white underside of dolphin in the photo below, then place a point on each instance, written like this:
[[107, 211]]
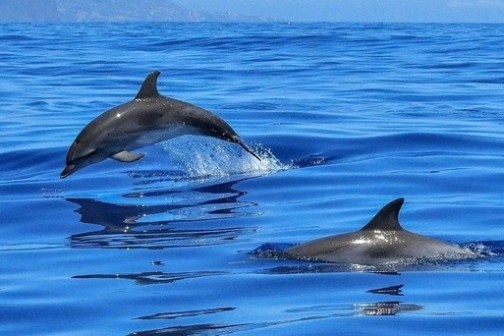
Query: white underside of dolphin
[[381, 241], [149, 118]]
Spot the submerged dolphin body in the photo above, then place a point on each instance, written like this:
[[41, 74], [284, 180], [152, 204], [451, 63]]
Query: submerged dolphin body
[[379, 242], [147, 119]]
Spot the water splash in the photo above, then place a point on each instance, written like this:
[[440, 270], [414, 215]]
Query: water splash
[[213, 158], [486, 249]]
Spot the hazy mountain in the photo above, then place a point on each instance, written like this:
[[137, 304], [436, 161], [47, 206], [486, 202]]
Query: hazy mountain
[[108, 11]]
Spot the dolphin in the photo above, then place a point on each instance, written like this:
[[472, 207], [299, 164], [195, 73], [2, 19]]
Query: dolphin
[[145, 120], [381, 241]]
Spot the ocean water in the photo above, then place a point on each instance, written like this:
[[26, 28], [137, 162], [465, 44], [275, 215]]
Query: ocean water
[[346, 117]]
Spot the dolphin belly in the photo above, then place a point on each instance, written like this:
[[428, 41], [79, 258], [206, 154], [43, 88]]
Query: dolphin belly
[[151, 137]]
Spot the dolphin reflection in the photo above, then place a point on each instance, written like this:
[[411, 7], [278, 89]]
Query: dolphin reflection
[[163, 218], [384, 308]]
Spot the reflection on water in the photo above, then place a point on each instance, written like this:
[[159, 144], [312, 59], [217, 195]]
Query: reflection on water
[[300, 314], [391, 290], [151, 278], [384, 308], [380, 308], [160, 218], [164, 218], [187, 313], [196, 329]]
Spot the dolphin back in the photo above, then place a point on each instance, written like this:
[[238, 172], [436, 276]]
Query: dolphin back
[[380, 241]]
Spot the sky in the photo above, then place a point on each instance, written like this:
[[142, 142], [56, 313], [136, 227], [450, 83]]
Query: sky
[[480, 11]]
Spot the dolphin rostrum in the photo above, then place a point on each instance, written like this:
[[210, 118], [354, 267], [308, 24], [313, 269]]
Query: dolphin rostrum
[[145, 120], [381, 241]]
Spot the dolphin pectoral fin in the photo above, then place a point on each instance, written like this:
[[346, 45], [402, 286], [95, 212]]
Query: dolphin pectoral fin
[[126, 156]]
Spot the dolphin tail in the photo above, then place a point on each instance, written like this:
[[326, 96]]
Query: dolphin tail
[[247, 148]]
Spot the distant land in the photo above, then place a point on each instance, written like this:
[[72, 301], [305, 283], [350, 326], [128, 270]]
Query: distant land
[[111, 11]]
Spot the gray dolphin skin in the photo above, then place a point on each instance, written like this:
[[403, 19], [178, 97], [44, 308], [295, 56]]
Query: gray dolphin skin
[[145, 120], [379, 242]]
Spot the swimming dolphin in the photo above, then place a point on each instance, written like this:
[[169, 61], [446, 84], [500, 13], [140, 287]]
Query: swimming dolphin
[[145, 120], [379, 242]]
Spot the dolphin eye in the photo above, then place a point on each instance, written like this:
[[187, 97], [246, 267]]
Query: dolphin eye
[[77, 142]]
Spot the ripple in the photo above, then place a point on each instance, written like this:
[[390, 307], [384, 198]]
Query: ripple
[[193, 329], [187, 313], [151, 278]]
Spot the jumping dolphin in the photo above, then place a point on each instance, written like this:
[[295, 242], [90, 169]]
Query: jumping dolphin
[[379, 242], [145, 120]]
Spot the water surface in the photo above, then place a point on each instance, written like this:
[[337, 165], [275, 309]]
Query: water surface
[[349, 117]]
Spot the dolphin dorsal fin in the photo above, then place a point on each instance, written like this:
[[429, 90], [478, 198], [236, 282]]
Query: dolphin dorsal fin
[[149, 86], [387, 219]]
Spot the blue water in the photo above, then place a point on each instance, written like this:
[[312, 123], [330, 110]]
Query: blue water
[[347, 117]]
